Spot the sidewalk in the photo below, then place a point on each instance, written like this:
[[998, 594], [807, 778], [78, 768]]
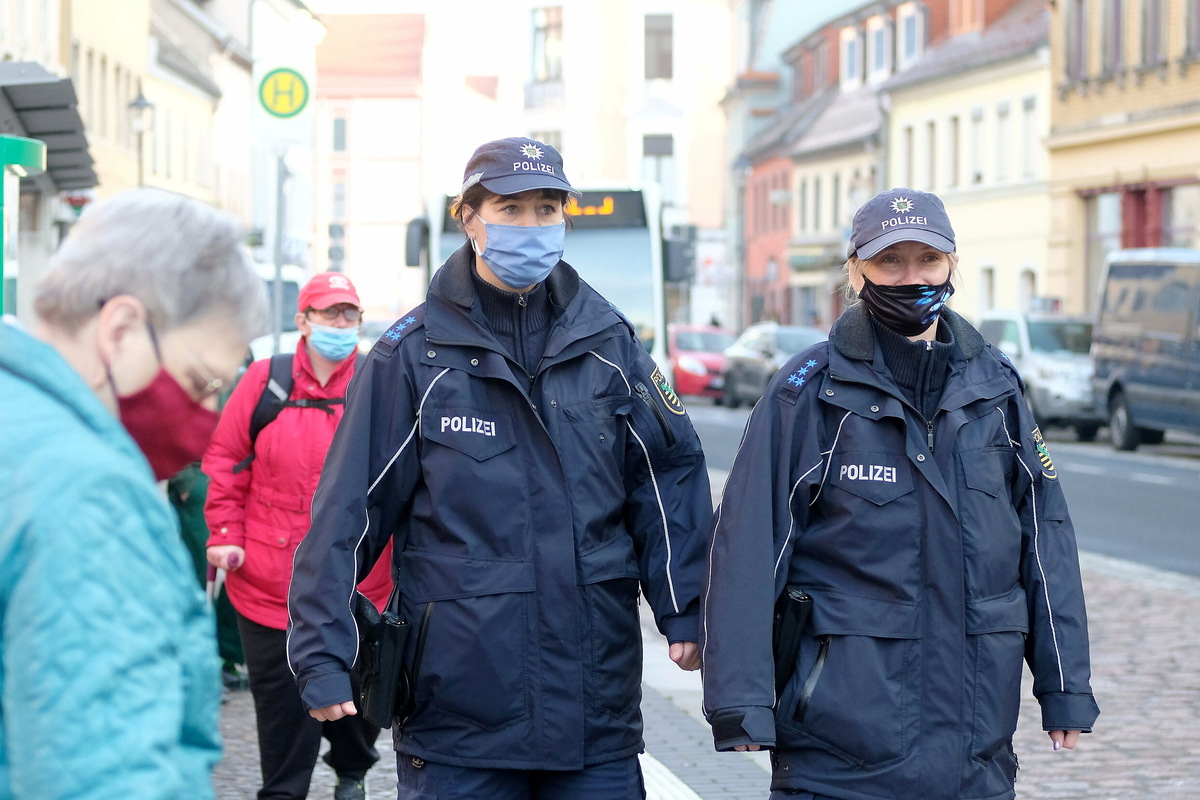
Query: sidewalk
[[1146, 676]]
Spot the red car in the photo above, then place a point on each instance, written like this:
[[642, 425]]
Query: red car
[[697, 360]]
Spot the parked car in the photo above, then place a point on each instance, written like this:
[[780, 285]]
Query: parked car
[[370, 331], [752, 360], [697, 357], [1146, 344], [1051, 352]]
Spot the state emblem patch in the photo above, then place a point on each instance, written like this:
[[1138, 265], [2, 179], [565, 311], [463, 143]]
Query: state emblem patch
[[672, 401]]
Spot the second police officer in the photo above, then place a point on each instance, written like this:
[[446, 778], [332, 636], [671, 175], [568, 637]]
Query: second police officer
[[536, 474]]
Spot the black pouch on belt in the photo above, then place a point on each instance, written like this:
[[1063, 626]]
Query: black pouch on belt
[[383, 687], [791, 614]]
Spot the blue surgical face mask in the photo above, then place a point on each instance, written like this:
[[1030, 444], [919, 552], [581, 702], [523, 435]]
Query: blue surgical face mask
[[520, 255], [334, 344]]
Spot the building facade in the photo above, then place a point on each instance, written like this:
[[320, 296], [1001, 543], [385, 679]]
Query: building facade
[[1125, 120], [968, 122], [368, 152]]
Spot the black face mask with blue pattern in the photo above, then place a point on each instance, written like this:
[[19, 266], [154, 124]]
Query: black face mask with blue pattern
[[908, 310]]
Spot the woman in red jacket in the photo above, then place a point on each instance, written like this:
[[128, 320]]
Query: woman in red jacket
[[258, 513]]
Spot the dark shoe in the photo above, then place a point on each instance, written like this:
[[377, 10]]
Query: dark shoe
[[234, 677], [350, 789]]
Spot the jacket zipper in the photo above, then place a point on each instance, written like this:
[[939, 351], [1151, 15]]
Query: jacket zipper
[[644, 393], [810, 685]]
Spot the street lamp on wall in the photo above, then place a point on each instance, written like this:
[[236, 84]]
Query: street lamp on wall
[[141, 119]]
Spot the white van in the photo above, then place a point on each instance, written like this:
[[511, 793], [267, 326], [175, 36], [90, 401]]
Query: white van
[[1050, 352], [294, 277]]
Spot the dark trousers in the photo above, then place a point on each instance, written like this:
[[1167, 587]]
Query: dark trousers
[[424, 780], [288, 738]]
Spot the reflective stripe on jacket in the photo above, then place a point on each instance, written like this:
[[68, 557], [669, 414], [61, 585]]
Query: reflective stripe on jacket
[[527, 517], [938, 554]]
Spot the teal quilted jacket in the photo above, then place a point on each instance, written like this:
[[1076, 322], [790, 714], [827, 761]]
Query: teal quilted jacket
[[109, 682]]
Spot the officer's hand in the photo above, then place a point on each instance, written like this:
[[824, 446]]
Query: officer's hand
[[1067, 739], [686, 655], [226, 556], [334, 712], [747, 748]]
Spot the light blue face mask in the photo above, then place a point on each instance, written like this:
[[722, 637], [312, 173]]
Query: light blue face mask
[[520, 255], [334, 344]]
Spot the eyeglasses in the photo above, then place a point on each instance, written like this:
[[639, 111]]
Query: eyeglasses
[[350, 313], [204, 383], [208, 385]]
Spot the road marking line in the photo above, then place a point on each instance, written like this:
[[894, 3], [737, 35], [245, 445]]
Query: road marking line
[[1145, 477], [661, 783]]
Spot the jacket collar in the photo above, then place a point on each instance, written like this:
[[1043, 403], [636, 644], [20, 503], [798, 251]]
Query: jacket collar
[[454, 315], [854, 336]]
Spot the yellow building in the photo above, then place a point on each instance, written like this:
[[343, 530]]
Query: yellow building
[[1125, 130], [967, 123]]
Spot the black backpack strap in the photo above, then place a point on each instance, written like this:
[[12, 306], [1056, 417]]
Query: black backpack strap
[[276, 396], [272, 400]]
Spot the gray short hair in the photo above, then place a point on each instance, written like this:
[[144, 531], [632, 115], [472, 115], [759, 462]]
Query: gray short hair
[[182, 258]]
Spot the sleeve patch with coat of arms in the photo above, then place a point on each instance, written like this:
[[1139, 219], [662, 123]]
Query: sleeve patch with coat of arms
[[1043, 452], [669, 398]]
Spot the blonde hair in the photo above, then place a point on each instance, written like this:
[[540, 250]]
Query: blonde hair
[[855, 270]]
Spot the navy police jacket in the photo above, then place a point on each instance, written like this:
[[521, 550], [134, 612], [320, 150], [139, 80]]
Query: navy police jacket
[[526, 512], [939, 555]]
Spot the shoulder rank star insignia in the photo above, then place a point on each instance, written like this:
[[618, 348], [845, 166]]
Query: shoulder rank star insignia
[[1044, 455], [396, 332], [672, 401]]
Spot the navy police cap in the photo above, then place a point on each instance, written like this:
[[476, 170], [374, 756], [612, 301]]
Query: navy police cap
[[516, 164], [900, 215]]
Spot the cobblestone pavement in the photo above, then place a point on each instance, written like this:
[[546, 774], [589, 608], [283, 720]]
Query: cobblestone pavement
[[1146, 675]]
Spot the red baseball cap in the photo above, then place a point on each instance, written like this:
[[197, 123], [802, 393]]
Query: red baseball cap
[[327, 289]]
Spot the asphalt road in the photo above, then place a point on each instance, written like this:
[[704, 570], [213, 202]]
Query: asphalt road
[[1142, 506]]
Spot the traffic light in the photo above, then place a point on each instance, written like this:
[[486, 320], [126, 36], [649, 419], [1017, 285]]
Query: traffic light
[[337, 247], [679, 253]]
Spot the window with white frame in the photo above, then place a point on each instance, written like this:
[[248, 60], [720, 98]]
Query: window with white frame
[[836, 199], [910, 39], [1030, 137], [953, 150], [659, 47], [816, 204], [547, 44], [931, 153], [1154, 33], [1003, 141], [879, 50], [851, 58], [976, 146], [1075, 63], [802, 206], [1113, 43], [1192, 34], [909, 149]]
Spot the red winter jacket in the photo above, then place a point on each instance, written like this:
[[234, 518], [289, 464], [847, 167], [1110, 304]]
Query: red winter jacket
[[265, 508]]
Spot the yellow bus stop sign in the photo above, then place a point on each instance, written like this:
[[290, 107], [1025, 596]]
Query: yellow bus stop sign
[[283, 92]]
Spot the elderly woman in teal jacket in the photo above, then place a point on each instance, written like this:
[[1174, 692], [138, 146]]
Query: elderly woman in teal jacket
[[109, 679]]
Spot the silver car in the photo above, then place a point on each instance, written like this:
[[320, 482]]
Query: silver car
[[1051, 352], [757, 355]]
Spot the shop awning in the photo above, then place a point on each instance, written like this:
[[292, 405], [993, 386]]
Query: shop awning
[[36, 103]]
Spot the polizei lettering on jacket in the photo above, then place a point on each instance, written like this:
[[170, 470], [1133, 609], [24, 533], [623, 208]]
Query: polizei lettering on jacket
[[867, 472], [465, 424], [897, 221], [532, 166]]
